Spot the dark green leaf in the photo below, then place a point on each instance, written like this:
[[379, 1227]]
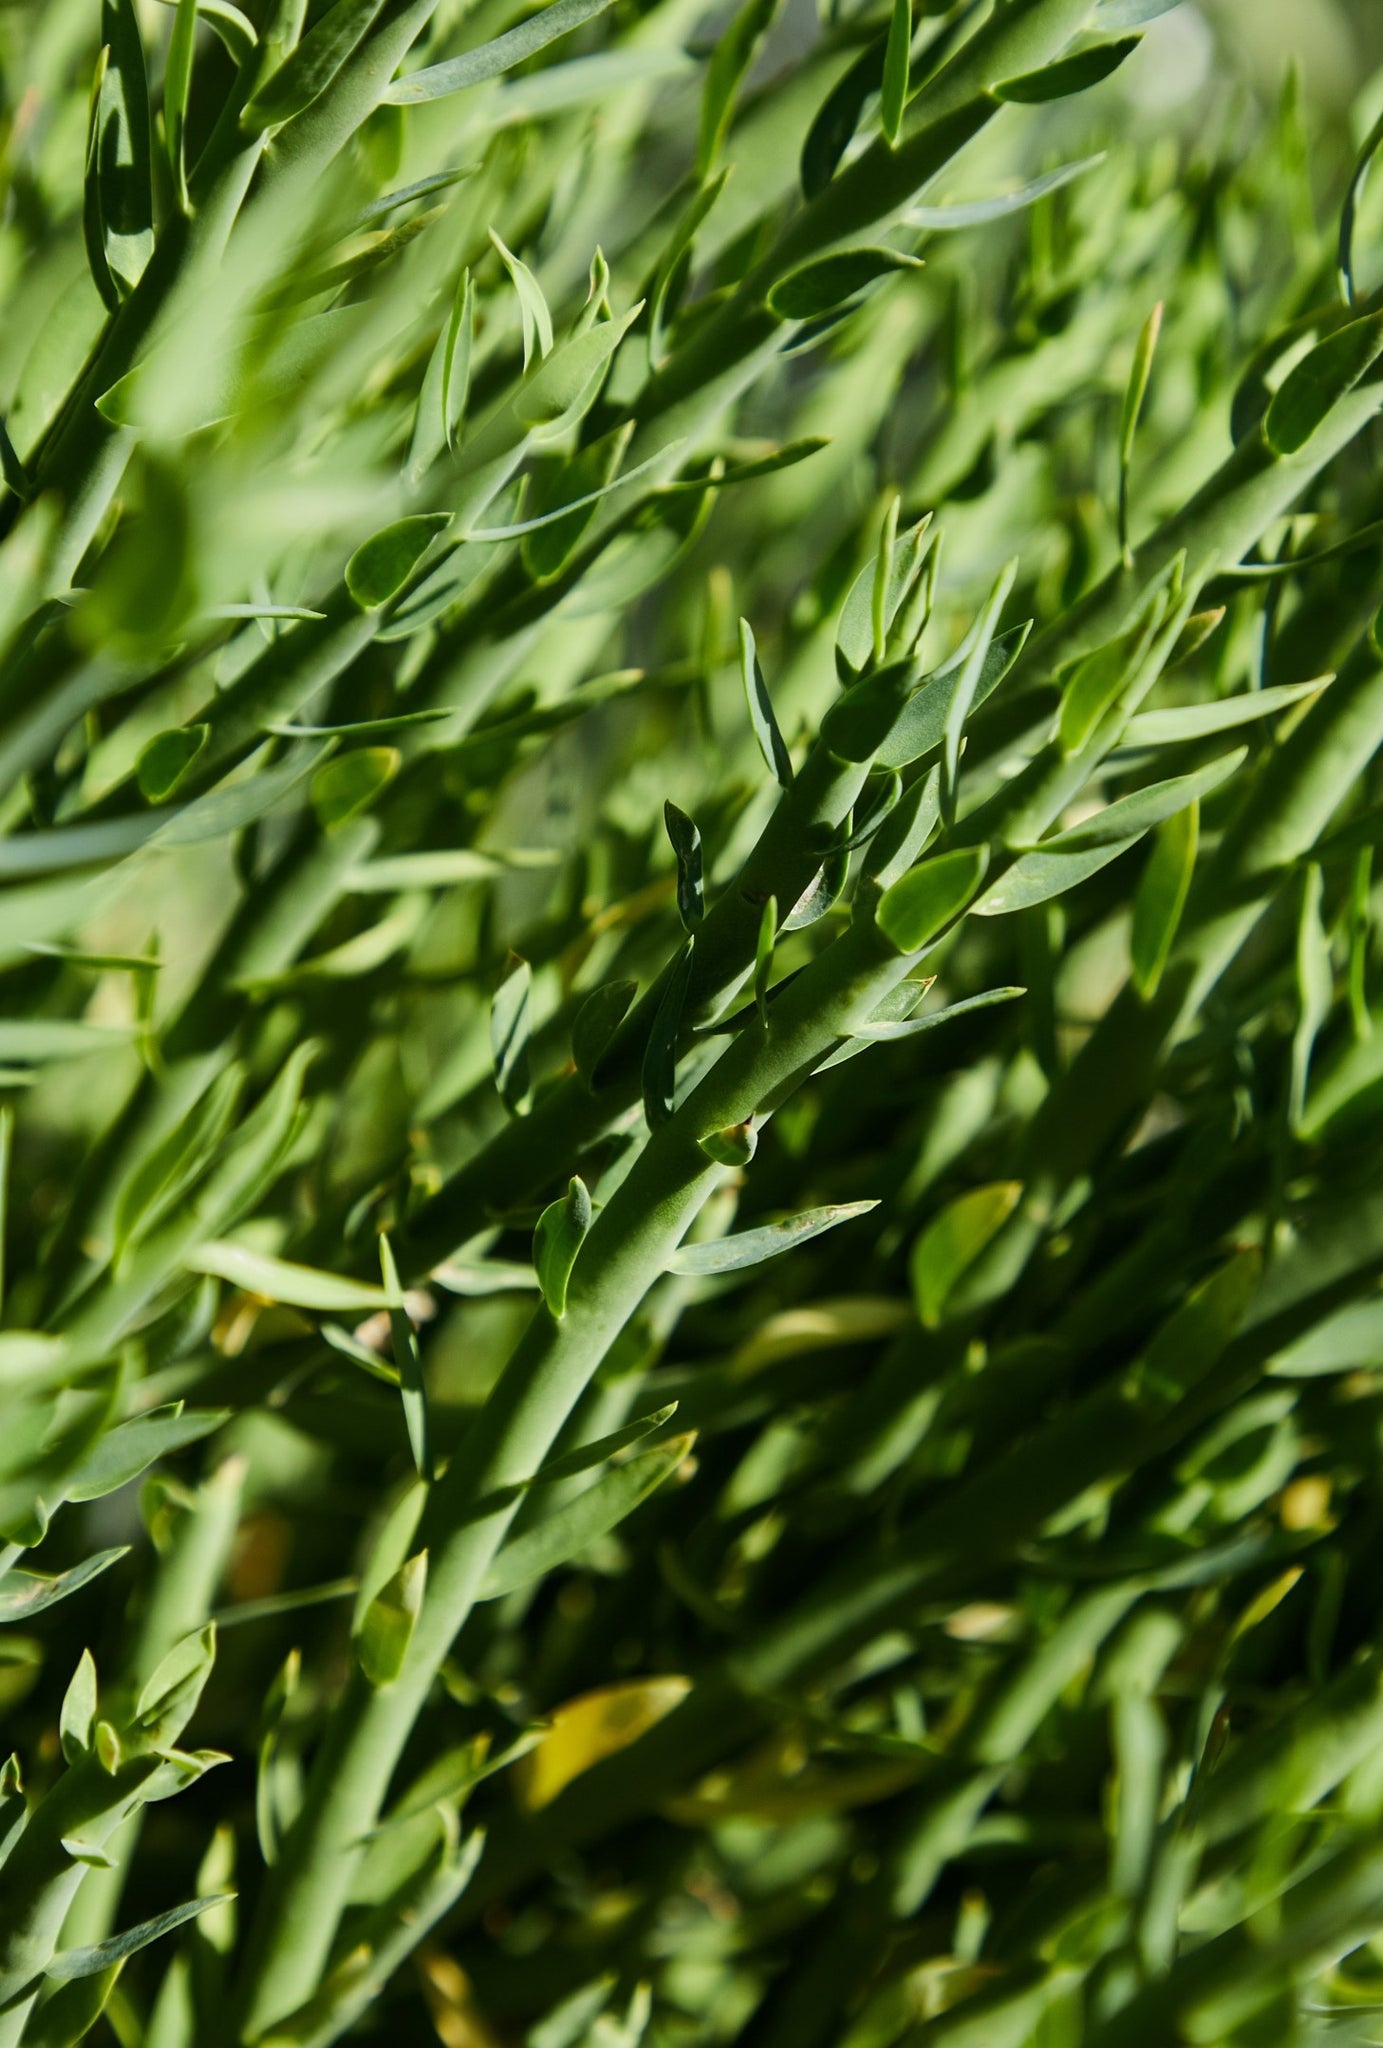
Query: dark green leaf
[[573, 1462], [165, 759], [659, 1079], [120, 197], [379, 569], [407, 1363], [1068, 74], [177, 85], [761, 718], [596, 1023], [832, 130], [509, 1036], [350, 784], [829, 281], [1310, 392], [691, 887], [922, 723], [1349, 213], [560, 1234]]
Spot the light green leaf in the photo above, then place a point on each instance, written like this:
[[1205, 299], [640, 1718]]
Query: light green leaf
[[119, 207], [560, 1234], [390, 1618], [1134, 394], [734, 1145], [967, 683], [235, 30], [491, 59], [897, 63], [1038, 876], [734, 53], [73, 2010], [1224, 714], [407, 1363], [1373, 142], [177, 85], [77, 1717], [25, 1594], [277, 1280], [979, 213], [753, 1247], [567, 380], [953, 1241], [533, 307], [122, 1453], [922, 724], [1145, 808], [446, 384], [578, 1524], [1315, 990], [169, 1699], [72, 1963], [921, 903]]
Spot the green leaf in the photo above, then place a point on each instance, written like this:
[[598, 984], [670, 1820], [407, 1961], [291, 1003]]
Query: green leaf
[[1120, 14], [734, 1145], [761, 718], [25, 1594], [1099, 682], [119, 206], [1310, 392], [897, 63], [381, 567], [1068, 75], [855, 633], [967, 683], [922, 724], [735, 51], [310, 68], [980, 213], [674, 266], [1349, 212], [1138, 813], [571, 1463], [596, 1023], [921, 903], [387, 1629], [368, 728], [122, 1453], [1135, 393], [446, 384], [578, 1524], [753, 1247], [537, 320], [1038, 876], [560, 1234], [491, 59], [568, 491], [77, 1718], [235, 30], [1161, 898], [177, 86], [890, 1030], [407, 1363], [763, 958], [567, 517], [1224, 714], [953, 1241], [165, 759], [73, 2010], [277, 1280], [72, 1963], [567, 381], [829, 281], [169, 1699], [835, 122], [509, 1036], [659, 1076], [345, 787], [691, 886], [1315, 991]]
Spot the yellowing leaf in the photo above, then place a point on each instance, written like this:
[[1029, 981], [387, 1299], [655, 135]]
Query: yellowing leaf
[[588, 1729]]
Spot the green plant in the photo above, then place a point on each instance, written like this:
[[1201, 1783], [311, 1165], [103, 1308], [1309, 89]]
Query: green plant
[[580, 726]]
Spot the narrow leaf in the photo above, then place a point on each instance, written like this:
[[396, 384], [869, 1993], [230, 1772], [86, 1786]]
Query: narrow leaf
[[572, 1463], [835, 122], [979, 213], [735, 50], [1146, 807], [25, 1594], [1224, 714], [753, 1247], [509, 1036], [278, 1280], [177, 86], [380, 568], [71, 1963], [897, 61], [122, 1453], [829, 281], [407, 1363], [390, 1618], [659, 1078], [169, 1699], [578, 1524], [954, 1240], [1310, 392], [77, 1717], [1068, 75], [1134, 394], [311, 66], [761, 718], [491, 59], [763, 958], [691, 887], [596, 1023], [533, 309], [165, 760], [1161, 898], [966, 685], [123, 149], [922, 724], [1349, 212]]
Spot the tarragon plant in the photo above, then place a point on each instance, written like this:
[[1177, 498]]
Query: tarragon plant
[[690, 1048]]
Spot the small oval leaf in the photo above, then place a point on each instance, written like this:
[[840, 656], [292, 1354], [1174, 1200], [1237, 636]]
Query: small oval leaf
[[165, 759], [922, 902], [820, 286], [387, 1627], [560, 1234], [345, 787], [381, 566]]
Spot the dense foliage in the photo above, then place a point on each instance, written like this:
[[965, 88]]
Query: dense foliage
[[690, 1026]]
